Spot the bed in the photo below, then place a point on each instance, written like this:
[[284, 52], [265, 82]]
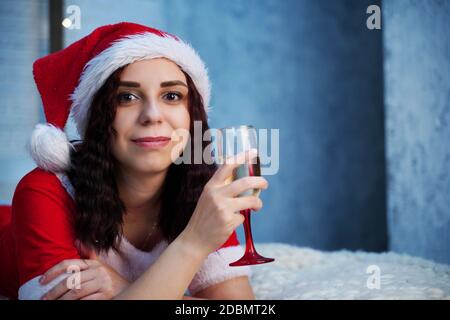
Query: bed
[[305, 273]]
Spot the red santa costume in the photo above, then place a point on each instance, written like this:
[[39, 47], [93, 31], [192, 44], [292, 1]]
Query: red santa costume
[[37, 232]]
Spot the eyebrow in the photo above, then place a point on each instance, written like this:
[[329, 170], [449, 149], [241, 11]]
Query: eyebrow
[[163, 84]]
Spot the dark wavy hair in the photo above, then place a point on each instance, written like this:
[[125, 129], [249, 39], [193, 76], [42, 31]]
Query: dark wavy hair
[[99, 209]]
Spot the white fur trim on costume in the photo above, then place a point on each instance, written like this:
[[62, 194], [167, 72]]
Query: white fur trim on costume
[[127, 50], [33, 290], [50, 148], [216, 269]]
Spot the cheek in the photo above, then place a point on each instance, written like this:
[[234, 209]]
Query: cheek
[[181, 119], [125, 120], [122, 124]]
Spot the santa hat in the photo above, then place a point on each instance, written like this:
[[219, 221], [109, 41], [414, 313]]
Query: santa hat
[[68, 79]]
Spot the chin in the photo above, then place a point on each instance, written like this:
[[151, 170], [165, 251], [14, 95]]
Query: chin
[[153, 167]]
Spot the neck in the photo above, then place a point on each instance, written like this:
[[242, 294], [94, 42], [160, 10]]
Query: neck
[[140, 192]]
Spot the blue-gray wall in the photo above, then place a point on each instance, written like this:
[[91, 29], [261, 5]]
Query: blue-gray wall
[[24, 37], [312, 69], [417, 101]]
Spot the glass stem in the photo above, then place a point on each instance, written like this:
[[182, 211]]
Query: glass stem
[[249, 246]]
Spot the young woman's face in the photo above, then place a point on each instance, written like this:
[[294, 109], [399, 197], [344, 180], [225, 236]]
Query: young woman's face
[[152, 101]]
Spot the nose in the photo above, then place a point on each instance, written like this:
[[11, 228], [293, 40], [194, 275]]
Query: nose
[[151, 112]]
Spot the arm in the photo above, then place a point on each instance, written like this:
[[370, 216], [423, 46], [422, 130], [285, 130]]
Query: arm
[[237, 288], [192, 298], [105, 283], [216, 279], [43, 231], [98, 281], [234, 289], [170, 275]]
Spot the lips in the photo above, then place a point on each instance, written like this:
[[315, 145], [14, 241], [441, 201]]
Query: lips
[[152, 142], [152, 139]]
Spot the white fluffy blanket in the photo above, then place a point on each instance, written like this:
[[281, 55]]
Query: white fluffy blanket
[[303, 273]]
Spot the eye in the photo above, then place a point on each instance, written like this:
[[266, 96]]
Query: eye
[[126, 97], [173, 96]]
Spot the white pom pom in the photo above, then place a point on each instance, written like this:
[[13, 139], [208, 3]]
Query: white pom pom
[[50, 148]]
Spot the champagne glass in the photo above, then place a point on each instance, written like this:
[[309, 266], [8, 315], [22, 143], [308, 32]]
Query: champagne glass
[[231, 141]]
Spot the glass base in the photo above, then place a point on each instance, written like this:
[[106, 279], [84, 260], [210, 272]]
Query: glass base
[[250, 259]]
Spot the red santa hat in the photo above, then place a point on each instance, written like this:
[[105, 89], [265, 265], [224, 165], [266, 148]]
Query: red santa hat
[[68, 79]]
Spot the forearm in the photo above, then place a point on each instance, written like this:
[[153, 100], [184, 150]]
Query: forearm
[[192, 298], [169, 276]]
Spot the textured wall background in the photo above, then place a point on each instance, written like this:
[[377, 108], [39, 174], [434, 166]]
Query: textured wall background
[[23, 38], [311, 69], [417, 99]]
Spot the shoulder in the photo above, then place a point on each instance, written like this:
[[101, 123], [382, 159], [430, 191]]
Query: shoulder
[[44, 182], [42, 222], [41, 191], [39, 178]]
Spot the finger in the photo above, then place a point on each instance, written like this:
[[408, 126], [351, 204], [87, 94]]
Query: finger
[[88, 274], [247, 202], [63, 267], [62, 287], [226, 170], [86, 289], [240, 185], [95, 296], [57, 291], [238, 220]]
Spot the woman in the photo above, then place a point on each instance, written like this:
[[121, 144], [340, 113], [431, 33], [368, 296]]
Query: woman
[[113, 216]]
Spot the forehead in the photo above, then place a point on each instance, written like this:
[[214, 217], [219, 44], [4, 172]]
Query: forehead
[[152, 70]]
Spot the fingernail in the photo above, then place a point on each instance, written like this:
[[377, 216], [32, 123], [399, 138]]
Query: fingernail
[[41, 279]]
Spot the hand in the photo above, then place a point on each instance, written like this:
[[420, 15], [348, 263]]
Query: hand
[[216, 214], [98, 280]]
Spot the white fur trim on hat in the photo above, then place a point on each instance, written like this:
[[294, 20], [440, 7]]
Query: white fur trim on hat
[[127, 50], [50, 148]]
